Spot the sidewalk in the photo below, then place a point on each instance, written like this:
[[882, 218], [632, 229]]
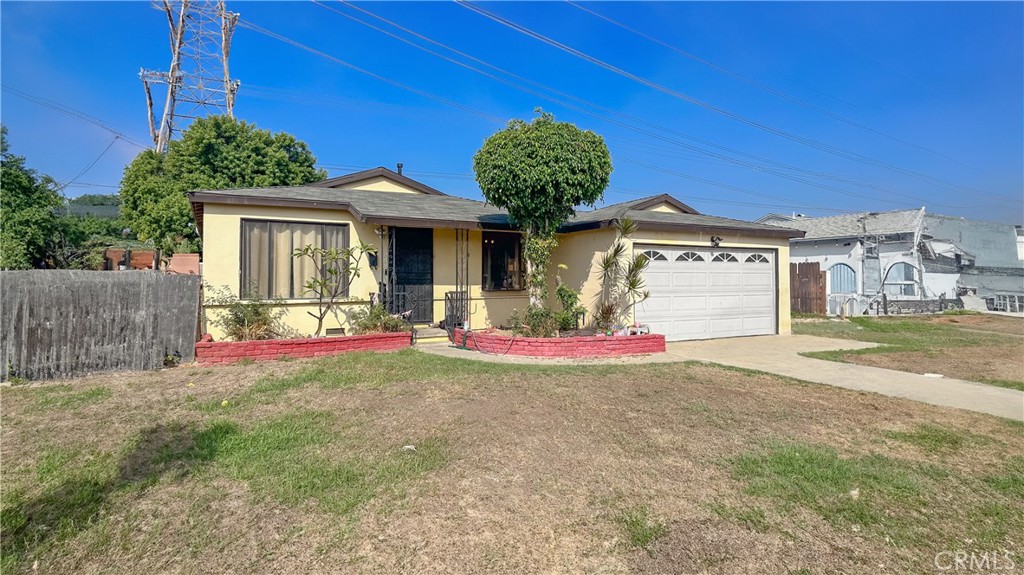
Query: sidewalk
[[780, 355]]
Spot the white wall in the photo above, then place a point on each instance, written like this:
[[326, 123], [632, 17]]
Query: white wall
[[828, 253]]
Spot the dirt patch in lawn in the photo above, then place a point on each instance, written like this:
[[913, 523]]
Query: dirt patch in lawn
[[453, 466], [1005, 363], [983, 322]]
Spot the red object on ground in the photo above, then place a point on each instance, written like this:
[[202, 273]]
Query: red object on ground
[[590, 346], [212, 352]]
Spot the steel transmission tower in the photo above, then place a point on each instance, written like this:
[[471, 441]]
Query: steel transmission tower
[[198, 82]]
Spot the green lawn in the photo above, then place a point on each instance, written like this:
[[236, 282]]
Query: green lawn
[[406, 462]]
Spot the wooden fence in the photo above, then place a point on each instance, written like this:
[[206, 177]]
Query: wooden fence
[[807, 288], [64, 323]]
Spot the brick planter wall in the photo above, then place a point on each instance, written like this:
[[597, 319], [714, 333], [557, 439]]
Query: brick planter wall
[[212, 352], [590, 346]]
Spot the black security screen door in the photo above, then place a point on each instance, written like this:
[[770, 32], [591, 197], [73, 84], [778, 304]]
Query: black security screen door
[[414, 272]]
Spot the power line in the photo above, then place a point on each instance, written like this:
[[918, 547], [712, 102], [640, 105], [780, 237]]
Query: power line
[[809, 142], [88, 166], [748, 165], [482, 114], [280, 38], [67, 110], [763, 86]]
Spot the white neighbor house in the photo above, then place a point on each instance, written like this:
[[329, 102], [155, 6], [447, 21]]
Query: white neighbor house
[[908, 255]]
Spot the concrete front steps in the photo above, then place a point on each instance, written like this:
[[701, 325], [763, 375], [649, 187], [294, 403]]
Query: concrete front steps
[[427, 334]]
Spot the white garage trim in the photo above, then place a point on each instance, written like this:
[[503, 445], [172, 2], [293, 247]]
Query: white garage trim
[[701, 292]]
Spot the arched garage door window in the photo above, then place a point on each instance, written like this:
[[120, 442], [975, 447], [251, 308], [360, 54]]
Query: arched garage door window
[[842, 279], [901, 279]]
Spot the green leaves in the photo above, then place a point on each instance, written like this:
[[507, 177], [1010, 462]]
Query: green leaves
[[216, 152], [334, 269], [28, 202], [540, 171], [622, 278]]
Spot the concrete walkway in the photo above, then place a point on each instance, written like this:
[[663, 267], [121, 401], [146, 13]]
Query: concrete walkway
[[780, 355]]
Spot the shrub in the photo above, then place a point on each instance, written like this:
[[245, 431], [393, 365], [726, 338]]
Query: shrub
[[377, 319], [571, 312], [606, 315], [246, 319], [538, 322]]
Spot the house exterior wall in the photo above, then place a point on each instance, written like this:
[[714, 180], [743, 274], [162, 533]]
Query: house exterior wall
[[589, 246], [664, 207], [871, 271], [222, 259], [580, 252], [381, 184], [222, 267], [486, 307], [992, 244]]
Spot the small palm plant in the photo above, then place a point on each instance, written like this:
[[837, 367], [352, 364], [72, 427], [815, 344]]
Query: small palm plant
[[622, 279]]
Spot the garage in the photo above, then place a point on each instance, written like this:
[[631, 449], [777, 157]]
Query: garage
[[704, 293]]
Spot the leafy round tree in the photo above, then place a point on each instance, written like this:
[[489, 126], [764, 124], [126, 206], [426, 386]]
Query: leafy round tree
[[29, 203], [539, 172], [214, 153]]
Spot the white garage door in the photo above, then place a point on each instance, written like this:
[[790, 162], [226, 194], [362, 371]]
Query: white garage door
[[703, 293]]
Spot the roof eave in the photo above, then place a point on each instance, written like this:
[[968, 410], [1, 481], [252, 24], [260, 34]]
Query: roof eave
[[199, 198], [666, 226]]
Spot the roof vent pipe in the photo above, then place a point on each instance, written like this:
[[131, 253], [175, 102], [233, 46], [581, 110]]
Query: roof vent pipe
[[399, 168]]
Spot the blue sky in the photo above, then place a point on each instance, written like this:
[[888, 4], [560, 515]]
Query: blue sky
[[919, 104]]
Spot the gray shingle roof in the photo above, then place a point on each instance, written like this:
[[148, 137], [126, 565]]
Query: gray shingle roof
[[855, 225], [391, 208], [369, 206], [584, 220]]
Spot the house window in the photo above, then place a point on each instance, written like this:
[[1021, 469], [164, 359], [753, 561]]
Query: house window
[[503, 261], [689, 257], [901, 279], [756, 259], [655, 256], [724, 257], [268, 267], [842, 279]]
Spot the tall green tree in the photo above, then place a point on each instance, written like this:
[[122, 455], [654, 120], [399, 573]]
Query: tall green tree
[[28, 217], [540, 172], [214, 153]]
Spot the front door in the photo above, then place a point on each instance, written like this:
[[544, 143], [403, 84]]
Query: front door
[[414, 272]]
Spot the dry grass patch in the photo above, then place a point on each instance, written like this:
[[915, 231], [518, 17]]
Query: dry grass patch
[[981, 348], [639, 468]]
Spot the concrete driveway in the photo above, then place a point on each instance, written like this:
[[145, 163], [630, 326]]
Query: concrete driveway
[[779, 355]]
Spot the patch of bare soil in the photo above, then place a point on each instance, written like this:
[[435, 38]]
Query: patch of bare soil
[[992, 323], [1004, 363], [539, 464]]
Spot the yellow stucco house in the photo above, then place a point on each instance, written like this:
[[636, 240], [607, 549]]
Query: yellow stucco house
[[442, 256]]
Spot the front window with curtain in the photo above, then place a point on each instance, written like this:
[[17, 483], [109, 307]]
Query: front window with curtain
[[503, 261], [268, 267]]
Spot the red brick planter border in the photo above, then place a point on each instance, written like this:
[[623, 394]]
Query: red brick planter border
[[212, 352], [591, 346]]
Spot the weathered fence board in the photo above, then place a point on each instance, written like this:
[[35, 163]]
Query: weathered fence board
[[63, 323], [807, 288]]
